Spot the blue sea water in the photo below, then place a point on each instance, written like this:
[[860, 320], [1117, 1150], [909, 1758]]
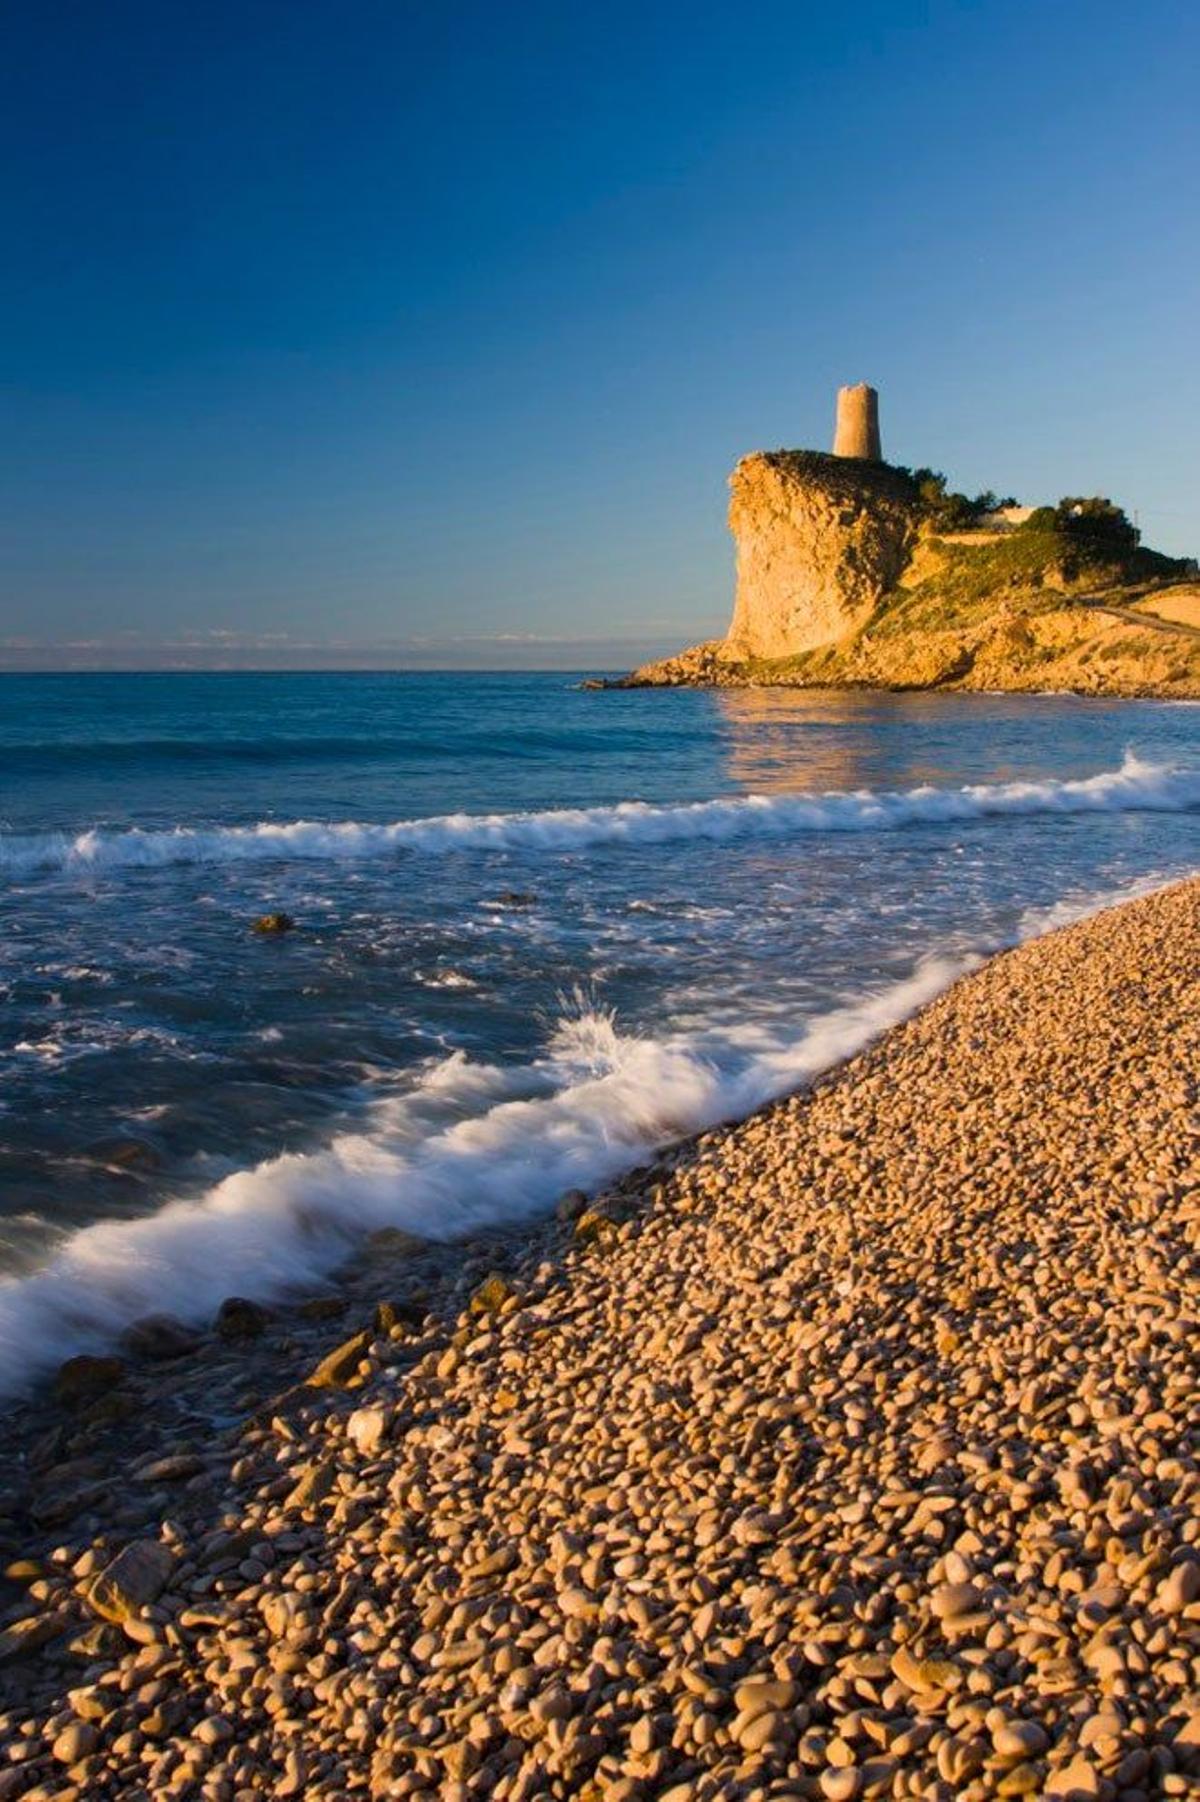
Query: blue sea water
[[540, 932]]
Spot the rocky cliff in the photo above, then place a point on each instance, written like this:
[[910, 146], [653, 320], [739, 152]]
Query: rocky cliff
[[820, 540], [845, 580]]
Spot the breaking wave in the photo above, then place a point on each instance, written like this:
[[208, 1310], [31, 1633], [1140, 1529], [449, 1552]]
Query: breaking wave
[[1137, 785], [474, 1145]]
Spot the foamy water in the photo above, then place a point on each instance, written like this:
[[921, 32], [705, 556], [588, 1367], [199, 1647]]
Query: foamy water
[[735, 891], [1136, 785]]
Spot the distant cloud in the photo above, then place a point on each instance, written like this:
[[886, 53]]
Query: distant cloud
[[226, 648]]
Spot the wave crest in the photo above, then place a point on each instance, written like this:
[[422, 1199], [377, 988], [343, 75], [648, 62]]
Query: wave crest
[[1137, 785]]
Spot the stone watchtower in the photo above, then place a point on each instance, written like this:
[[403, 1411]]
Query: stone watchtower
[[857, 433]]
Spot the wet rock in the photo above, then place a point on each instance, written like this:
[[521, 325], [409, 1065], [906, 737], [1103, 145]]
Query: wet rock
[[126, 1155], [160, 1337], [176, 1468], [239, 1319], [85, 1379], [398, 1240], [571, 1206], [323, 1307]]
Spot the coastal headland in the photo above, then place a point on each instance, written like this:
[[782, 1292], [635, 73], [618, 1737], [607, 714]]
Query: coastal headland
[[852, 1451], [852, 572]]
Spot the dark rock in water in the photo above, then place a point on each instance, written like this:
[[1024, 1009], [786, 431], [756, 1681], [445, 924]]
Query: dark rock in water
[[126, 1156], [108, 1410], [390, 1315], [64, 1492], [238, 1318], [160, 1336], [273, 924], [85, 1379], [511, 897], [323, 1307], [175, 1469], [395, 1238], [572, 1205]]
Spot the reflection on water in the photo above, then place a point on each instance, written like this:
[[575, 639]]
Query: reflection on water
[[780, 740]]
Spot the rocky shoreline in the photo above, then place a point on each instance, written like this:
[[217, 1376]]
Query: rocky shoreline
[[852, 1451]]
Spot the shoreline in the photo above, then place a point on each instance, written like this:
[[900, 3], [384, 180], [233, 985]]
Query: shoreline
[[732, 1264], [396, 1259], [1163, 693]]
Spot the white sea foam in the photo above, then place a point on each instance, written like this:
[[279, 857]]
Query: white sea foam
[[1137, 785], [476, 1144], [1072, 908]]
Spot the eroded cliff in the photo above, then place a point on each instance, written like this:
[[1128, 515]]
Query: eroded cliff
[[845, 580], [820, 540]]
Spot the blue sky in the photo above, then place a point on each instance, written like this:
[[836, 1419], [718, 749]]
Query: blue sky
[[395, 332]]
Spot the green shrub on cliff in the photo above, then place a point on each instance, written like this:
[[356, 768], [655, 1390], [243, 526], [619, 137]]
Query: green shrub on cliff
[[945, 509], [1095, 519]]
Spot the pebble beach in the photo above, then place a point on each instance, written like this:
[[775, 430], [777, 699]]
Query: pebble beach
[[851, 1451]]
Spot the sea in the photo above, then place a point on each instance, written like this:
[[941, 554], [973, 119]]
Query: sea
[[540, 934]]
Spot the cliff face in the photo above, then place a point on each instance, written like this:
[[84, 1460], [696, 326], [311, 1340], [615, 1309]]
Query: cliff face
[[842, 583], [820, 541]]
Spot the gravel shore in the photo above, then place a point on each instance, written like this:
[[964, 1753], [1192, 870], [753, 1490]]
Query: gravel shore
[[853, 1452]]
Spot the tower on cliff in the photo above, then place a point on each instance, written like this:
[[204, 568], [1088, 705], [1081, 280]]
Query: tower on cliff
[[857, 433]]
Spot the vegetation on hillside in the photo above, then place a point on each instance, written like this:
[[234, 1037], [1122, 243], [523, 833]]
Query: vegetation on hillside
[[1083, 539], [945, 510]]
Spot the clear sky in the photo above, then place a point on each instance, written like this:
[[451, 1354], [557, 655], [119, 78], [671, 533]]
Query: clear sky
[[390, 332]]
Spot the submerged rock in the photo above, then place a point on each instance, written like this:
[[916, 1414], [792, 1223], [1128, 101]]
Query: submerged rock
[[85, 1379], [396, 1239], [271, 925], [126, 1155], [238, 1318], [571, 1206], [160, 1336], [323, 1307]]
